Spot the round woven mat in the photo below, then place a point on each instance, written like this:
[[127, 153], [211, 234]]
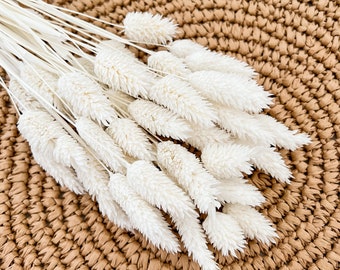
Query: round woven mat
[[294, 46]]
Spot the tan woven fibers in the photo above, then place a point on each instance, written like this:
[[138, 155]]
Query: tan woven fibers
[[294, 45]]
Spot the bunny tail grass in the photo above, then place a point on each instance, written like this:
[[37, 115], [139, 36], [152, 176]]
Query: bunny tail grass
[[226, 160], [131, 138], [122, 72], [158, 120], [144, 217], [86, 97], [198, 58], [101, 143], [166, 63], [231, 90], [148, 28], [190, 174], [224, 233], [177, 95], [253, 223], [159, 190], [236, 190]]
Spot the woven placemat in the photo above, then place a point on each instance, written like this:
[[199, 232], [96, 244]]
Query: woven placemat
[[294, 46]]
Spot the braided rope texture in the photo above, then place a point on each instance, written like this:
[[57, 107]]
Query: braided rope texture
[[294, 46]]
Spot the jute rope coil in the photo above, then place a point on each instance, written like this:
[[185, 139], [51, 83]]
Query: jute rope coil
[[294, 46]]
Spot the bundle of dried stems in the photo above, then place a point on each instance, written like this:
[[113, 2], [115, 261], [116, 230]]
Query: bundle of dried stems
[[97, 119]]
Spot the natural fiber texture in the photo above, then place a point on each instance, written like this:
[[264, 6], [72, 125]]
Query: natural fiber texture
[[294, 46]]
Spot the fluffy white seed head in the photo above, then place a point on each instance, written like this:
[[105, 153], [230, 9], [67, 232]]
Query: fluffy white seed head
[[158, 120], [236, 190], [41, 130], [26, 99], [283, 137], [226, 160], [43, 82], [207, 60], [86, 98], [198, 57], [159, 190], [122, 72], [113, 44], [179, 97], [194, 240], [96, 180], [244, 126], [148, 28], [184, 47], [224, 233], [144, 217], [131, 138], [166, 63], [43, 137], [231, 90], [204, 136], [271, 162], [253, 223], [64, 176], [190, 174], [104, 146]]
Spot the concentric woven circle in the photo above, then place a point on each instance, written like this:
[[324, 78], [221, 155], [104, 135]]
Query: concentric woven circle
[[294, 46]]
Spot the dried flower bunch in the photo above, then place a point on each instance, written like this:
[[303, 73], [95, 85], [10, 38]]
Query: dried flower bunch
[[96, 119]]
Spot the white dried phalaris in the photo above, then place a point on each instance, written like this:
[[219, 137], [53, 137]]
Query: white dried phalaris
[[131, 138], [224, 233], [208, 60], [231, 90], [226, 160], [104, 146], [165, 63], [143, 216], [179, 97], [86, 98], [184, 47], [27, 101], [158, 120], [65, 176], [244, 126], [159, 190], [122, 72], [253, 223], [236, 190], [145, 27], [283, 137], [42, 133], [43, 82], [198, 57], [271, 162], [116, 45], [190, 174], [206, 99], [204, 136], [194, 240]]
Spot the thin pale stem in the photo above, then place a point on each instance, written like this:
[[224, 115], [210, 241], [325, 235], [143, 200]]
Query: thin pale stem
[[51, 11], [158, 73], [13, 98], [90, 17]]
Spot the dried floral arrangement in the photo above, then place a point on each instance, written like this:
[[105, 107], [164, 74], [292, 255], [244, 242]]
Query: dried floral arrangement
[[102, 122]]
